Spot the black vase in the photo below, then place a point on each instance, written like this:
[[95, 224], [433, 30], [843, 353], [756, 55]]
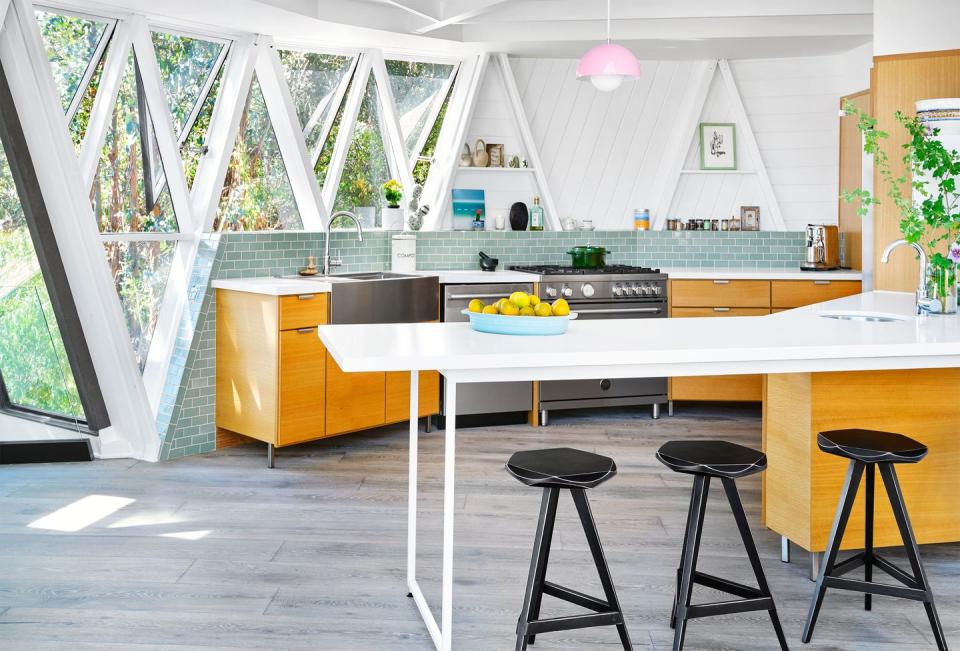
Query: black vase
[[519, 216]]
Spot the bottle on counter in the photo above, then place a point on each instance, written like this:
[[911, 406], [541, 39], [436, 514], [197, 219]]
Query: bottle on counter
[[641, 219], [536, 215], [478, 224]]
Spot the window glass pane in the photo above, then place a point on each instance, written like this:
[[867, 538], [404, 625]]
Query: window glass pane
[[313, 80], [366, 168], [256, 195], [129, 193], [186, 65], [193, 147], [421, 170], [32, 356], [322, 165], [416, 89], [140, 271], [78, 125], [70, 43]]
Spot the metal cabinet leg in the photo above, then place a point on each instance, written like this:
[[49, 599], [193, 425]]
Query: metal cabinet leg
[[669, 407], [269, 455], [816, 559], [429, 426], [784, 549], [544, 418], [656, 411]]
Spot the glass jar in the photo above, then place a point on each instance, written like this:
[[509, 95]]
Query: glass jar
[[942, 287]]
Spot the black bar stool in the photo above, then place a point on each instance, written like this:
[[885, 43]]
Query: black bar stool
[[576, 471], [726, 461], [870, 450]]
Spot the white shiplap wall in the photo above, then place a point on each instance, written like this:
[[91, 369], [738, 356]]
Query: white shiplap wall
[[602, 151]]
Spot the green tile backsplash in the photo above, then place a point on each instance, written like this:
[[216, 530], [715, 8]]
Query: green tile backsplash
[[186, 419]]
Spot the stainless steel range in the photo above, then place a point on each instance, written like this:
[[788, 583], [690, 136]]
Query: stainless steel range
[[611, 292]]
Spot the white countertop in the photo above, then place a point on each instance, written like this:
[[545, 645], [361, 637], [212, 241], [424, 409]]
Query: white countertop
[[273, 286], [477, 276], [793, 341], [760, 274]]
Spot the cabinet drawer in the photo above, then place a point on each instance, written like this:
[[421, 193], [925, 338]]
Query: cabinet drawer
[[681, 312], [354, 400], [302, 311], [398, 395], [726, 388], [302, 386], [720, 293], [794, 293]]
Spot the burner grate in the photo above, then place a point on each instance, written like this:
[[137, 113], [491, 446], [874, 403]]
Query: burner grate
[[548, 269]]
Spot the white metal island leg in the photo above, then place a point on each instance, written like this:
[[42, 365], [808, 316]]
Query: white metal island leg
[[442, 635]]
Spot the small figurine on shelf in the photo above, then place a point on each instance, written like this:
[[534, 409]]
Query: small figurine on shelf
[[514, 162], [417, 212]]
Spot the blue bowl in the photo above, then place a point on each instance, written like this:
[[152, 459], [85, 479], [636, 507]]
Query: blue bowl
[[529, 326]]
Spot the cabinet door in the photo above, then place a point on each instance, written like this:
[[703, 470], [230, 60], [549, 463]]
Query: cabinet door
[[796, 293], [720, 292], [679, 312], [302, 386], [398, 395], [354, 400]]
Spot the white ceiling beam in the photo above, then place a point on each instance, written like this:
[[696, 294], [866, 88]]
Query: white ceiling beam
[[407, 6], [479, 8]]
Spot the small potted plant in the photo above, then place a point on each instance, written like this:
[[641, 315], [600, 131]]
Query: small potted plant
[[365, 204], [392, 215]]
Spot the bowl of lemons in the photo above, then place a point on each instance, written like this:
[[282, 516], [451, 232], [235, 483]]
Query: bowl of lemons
[[520, 314]]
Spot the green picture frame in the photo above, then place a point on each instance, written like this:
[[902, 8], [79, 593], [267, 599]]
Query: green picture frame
[[720, 134]]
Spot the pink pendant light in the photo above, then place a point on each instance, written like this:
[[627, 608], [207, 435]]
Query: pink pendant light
[[608, 64]]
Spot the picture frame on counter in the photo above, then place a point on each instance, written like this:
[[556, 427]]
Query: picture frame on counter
[[749, 218], [718, 146]]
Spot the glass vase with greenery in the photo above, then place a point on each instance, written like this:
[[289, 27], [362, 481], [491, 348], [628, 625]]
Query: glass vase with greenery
[[925, 193]]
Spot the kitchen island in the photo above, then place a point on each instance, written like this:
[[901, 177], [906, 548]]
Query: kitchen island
[[809, 342]]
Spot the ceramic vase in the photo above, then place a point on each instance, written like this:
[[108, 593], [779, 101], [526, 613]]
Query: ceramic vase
[[391, 219], [368, 216]]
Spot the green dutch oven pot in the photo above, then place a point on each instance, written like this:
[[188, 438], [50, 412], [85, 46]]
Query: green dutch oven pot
[[588, 257]]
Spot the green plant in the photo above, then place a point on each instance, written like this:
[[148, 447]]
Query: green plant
[[363, 192], [393, 193], [930, 172]]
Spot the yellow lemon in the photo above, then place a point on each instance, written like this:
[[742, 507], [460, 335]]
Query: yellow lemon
[[520, 299], [560, 307], [500, 303], [476, 305], [534, 300], [543, 309], [491, 309], [509, 309], [527, 311]]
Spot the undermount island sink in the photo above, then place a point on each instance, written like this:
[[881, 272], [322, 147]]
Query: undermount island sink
[[867, 317]]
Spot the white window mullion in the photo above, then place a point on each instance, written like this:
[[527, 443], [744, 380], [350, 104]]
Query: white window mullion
[[348, 123], [224, 124], [390, 129], [336, 99], [4, 6], [159, 116], [452, 135], [114, 68], [432, 114], [94, 62], [293, 148]]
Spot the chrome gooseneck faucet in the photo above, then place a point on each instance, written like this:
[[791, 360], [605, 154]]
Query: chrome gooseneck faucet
[[925, 304], [327, 261]]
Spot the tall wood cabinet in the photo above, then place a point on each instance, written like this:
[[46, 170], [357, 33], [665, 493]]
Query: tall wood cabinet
[[277, 383]]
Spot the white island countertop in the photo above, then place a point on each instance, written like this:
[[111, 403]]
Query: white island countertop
[[799, 340], [273, 286], [760, 274]]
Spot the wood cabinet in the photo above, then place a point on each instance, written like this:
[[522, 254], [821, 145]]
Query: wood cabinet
[[277, 383], [720, 298]]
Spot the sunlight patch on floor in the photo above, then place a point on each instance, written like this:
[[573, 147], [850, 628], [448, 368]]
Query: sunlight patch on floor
[[82, 513]]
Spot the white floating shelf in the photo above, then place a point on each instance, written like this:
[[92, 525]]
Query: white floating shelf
[[495, 169], [718, 172]]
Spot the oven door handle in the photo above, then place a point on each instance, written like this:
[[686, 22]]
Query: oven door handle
[[460, 297], [622, 310]]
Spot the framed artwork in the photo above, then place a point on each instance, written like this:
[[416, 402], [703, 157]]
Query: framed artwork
[[718, 146], [750, 218], [495, 154], [466, 205]]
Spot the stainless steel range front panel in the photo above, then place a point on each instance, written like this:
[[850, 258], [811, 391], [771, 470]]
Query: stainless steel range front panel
[[484, 397]]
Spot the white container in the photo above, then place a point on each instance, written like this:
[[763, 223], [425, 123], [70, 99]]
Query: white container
[[404, 256], [391, 219]]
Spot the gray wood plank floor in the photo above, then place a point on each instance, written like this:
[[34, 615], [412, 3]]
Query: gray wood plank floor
[[218, 552]]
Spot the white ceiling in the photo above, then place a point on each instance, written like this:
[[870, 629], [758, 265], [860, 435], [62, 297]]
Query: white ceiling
[[682, 29]]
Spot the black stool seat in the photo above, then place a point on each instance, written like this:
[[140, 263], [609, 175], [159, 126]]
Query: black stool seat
[[714, 458], [561, 468], [871, 446]]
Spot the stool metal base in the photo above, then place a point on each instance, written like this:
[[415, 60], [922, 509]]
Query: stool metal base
[[914, 586], [687, 575], [605, 613]]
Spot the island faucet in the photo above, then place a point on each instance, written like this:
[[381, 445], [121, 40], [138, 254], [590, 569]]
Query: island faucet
[[327, 261], [925, 304]]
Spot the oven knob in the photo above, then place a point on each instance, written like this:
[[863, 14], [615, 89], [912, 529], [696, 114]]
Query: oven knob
[[617, 290], [647, 290], [566, 291], [587, 290], [657, 290], [637, 290], [552, 292]]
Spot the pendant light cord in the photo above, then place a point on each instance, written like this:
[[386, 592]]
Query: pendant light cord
[[608, 22]]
